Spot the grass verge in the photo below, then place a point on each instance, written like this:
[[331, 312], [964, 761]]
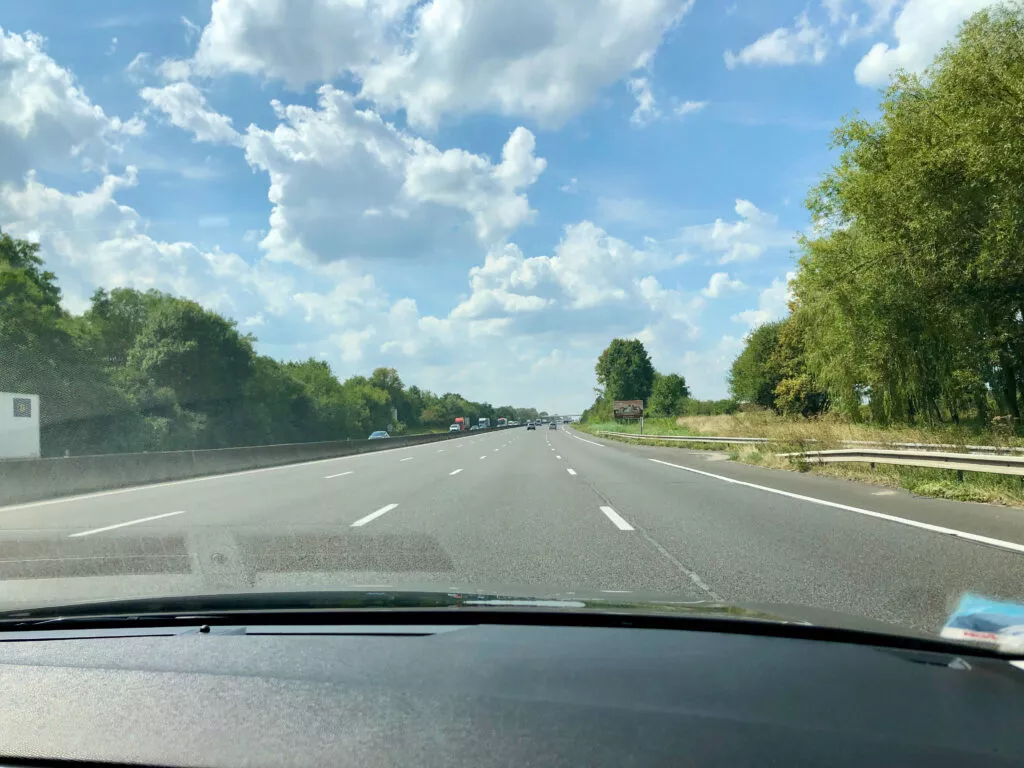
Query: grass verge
[[821, 434]]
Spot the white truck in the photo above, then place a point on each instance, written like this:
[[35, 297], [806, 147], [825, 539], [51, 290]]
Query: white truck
[[483, 423], [19, 426]]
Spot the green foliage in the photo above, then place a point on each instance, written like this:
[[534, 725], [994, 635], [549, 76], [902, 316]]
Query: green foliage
[[668, 395], [753, 377], [148, 371], [710, 407], [625, 371], [909, 296]]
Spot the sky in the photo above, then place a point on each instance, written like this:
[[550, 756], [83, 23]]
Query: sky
[[480, 194]]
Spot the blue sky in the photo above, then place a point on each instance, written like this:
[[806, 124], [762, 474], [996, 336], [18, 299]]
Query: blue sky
[[480, 194]]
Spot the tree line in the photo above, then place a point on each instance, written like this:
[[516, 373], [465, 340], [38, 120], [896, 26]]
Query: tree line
[[625, 372], [146, 371], [907, 303]]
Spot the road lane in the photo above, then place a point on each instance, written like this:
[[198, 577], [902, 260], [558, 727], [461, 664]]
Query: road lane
[[752, 546], [519, 522], [547, 511]]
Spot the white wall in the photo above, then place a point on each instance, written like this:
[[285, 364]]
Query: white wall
[[19, 435]]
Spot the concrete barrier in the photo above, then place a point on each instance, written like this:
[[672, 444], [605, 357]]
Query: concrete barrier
[[23, 480]]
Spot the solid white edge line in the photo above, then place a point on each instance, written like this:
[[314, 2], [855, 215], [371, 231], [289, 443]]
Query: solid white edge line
[[616, 519], [1009, 545], [599, 445], [455, 472], [570, 471], [123, 525], [340, 474], [373, 516]]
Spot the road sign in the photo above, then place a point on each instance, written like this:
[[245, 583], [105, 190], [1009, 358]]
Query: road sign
[[628, 409]]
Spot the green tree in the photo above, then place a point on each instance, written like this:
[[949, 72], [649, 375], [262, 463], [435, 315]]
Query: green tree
[[625, 371], [752, 377], [914, 283], [668, 395]]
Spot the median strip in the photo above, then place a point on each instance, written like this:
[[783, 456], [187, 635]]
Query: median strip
[[373, 516]]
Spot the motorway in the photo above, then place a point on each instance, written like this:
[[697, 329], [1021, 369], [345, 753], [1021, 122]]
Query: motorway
[[523, 512]]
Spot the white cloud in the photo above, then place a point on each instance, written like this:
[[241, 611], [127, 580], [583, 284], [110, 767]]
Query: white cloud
[[772, 304], [690, 108], [744, 240], [186, 108], [646, 111], [545, 59], [90, 240], [921, 29], [593, 284], [570, 186], [785, 46], [720, 284], [112, 48], [46, 120], [705, 370], [297, 41], [338, 169]]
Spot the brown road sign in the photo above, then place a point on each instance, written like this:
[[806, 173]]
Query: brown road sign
[[628, 409]]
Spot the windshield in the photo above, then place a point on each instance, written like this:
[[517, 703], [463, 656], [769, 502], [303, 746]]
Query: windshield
[[755, 267]]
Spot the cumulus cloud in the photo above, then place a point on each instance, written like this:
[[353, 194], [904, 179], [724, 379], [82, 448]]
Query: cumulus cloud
[[785, 46], [921, 29], [720, 284], [186, 108], [338, 169], [46, 120], [593, 283], [743, 240], [772, 304], [546, 59], [91, 240]]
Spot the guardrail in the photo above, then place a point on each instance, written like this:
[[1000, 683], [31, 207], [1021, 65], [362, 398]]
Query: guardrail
[[686, 438], [971, 449], [23, 480], [960, 462]]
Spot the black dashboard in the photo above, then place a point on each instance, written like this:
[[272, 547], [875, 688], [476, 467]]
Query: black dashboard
[[482, 694]]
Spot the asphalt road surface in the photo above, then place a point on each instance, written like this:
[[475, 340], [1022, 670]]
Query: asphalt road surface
[[527, 512]]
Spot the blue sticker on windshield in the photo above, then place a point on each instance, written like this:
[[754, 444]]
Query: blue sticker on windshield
[[984, 620]]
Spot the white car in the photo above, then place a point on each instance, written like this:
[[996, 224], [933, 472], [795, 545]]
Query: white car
[[454, 428]]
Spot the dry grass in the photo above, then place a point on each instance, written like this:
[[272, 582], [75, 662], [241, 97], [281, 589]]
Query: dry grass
[[831, 430]]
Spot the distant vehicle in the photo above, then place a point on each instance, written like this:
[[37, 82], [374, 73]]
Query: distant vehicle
[[474, 427], [380, 434], [531, 425], [461, 422], [454, 428], [484, 423], [502, 422], [552, 425]]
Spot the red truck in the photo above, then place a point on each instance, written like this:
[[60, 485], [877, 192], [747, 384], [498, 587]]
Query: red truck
[[461, 421]]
